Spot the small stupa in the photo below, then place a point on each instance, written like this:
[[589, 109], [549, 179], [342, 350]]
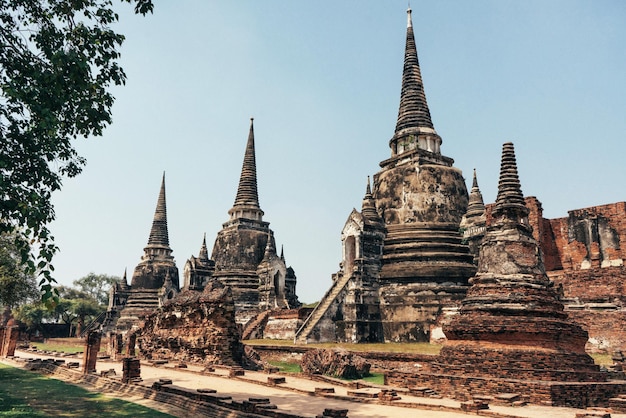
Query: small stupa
[[511, 315]]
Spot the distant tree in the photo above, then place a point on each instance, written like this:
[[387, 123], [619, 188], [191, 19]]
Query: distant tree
[[85, 309], [63, 312], [96, 286], [17, 284], [58, 61], [32, 315], [70, 293]]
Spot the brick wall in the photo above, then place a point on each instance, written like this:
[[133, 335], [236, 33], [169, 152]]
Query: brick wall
[[576, 395], [584, 254]]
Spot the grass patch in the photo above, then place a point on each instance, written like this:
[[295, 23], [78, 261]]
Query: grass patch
[[27, 394], [65, 345], [602, 359], [60, 347], [287, 366], [411, 348], [376, 378]]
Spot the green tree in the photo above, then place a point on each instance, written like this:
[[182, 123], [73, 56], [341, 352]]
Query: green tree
[[85, 309], [32, 315], [58, 61], [96, 286], [17, 285], [70, 293], [63, 312]]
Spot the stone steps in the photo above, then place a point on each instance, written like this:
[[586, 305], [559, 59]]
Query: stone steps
[[255, 324], [304, 331], [618, 404]]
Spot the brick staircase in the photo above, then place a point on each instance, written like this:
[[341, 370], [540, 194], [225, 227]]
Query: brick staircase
[[618, 404], [260, 320], [303, 333]]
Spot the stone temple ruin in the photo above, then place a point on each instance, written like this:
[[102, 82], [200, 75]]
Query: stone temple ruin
[[515, 294], [512, 334], [404, 261], [410, 251], [244, 258], [196, 327]]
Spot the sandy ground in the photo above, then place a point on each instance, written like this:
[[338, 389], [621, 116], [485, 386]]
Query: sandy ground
[[288, 396]]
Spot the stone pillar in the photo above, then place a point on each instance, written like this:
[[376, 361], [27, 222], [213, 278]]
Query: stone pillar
[[131, 369], [2, 333], [11, 335], [118, 345], [115, 346], [130, 345], [92, 347]]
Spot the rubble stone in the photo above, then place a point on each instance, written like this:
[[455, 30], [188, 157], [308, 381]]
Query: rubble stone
[[335, 363], [196, 328]]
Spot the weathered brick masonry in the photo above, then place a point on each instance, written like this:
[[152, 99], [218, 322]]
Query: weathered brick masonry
[[512, 334], [584, 256]]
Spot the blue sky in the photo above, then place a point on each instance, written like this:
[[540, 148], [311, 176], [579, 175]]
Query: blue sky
[[322, 80]]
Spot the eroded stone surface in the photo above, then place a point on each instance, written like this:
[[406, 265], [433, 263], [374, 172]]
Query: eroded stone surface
[[194, 327], [335, 363]]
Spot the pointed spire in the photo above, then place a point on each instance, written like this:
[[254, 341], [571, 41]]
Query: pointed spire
[[413, 111], [510, 200], [124, 281], [368, 208], [158, 233], [282, 253], [247, 193], [204, 253], [270, 247], [476, 206], [247, 201]]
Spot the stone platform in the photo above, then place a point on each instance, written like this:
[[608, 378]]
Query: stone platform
[[540, 392]]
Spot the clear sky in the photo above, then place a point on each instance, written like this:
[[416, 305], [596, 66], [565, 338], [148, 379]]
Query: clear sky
[[322, 80]]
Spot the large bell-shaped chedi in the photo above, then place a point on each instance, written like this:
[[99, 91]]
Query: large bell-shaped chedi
[[421, 198]]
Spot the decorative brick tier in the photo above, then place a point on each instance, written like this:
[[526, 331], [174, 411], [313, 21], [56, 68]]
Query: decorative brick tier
[[516, 362], [512, 333], [463, 387]]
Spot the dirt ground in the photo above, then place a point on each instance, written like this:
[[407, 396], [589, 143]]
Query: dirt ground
[[295, 395]]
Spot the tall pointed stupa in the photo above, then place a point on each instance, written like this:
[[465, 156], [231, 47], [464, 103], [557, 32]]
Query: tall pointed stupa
[[512, 337], [404, 264], [156, 276], [421, 198], [157, 260], [241, 245]]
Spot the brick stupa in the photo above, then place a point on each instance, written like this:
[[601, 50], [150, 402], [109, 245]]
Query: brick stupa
[[511, 314], [421, 198], [154, 280], [259, 280], [512, 334]]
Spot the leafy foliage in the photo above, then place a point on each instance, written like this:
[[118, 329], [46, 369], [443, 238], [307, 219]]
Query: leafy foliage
[[32, 315], [17, 286], [58, 60], [96, 286]]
